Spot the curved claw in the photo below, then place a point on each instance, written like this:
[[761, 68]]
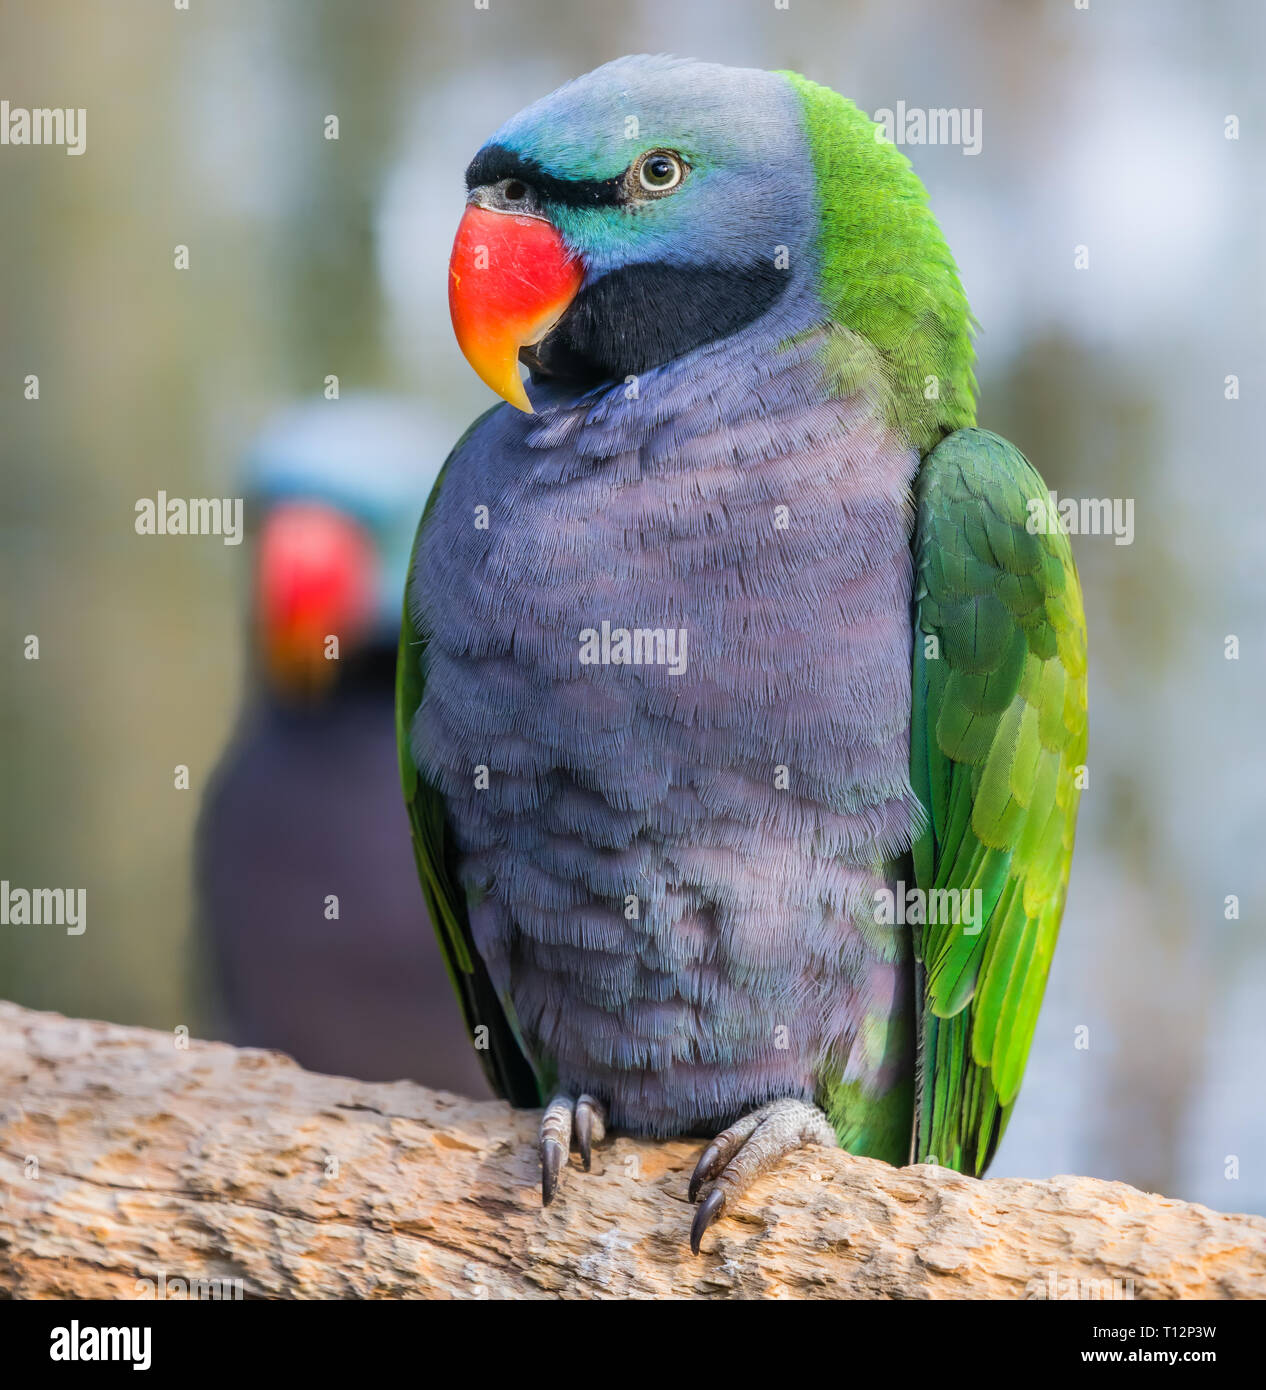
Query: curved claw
[[553, 1155], [590, 1128], [583, 1119], [584, 1138], [722, 1149], [750, 1147], [713, 1206], [556, 1126], [707, 1168]]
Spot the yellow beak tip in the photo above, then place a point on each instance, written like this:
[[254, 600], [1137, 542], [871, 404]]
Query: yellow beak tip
[[509, 386]]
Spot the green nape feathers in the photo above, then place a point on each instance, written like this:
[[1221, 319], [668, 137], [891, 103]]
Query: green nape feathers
[[902, 324]]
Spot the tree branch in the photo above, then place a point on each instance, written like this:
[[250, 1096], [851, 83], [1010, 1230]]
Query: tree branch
[[126, 1158]]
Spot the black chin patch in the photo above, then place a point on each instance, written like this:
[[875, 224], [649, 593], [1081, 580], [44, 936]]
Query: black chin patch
[[642, 316]]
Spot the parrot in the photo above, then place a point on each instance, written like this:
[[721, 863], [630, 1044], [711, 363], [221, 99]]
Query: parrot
[[303, 802], [741, 694]]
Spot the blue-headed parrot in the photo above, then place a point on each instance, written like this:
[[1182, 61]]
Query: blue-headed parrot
[[307, 895], [741, 703]]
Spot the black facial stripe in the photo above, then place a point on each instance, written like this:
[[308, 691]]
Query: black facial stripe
[[495, 162], [642, 316]]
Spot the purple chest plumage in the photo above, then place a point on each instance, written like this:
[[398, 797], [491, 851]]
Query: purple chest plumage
[[667, 703]]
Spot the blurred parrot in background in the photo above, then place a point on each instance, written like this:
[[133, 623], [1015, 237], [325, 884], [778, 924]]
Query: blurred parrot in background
[[728, 632], [304, 804]]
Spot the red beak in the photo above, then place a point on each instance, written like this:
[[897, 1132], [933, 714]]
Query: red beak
[[510, 280]]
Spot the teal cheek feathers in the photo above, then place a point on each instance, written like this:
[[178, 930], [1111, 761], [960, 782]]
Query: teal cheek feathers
[[607, 238]]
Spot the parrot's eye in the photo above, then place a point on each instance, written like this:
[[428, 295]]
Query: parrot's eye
[[659, 172]]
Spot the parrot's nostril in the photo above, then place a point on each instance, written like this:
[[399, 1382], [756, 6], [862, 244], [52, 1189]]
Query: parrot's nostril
[[515, 191]]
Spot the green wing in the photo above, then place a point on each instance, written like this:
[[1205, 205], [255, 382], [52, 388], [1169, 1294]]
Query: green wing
[[998, 738], [500, 1049]]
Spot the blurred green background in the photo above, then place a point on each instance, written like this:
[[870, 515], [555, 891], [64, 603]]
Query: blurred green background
[[1103, 128]]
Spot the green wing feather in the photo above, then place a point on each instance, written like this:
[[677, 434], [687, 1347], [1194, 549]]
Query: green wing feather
[[500, 1049], [998, 737]]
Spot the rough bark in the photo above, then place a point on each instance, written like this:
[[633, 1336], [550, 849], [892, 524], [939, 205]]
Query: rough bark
[[125, 1156]]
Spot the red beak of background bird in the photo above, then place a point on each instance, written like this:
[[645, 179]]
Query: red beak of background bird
[[510, 280], [316, 577]]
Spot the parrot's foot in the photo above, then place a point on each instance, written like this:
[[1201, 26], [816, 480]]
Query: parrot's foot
[[556, 1135], [740, 1154]]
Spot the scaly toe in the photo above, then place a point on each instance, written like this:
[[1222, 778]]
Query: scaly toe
[[739, 1155], [555, 1142], [586, 1118], [591, 1127], [722, 1149]]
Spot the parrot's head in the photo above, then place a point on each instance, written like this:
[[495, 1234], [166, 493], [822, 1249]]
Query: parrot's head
[[656, 205], [337, 487]]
